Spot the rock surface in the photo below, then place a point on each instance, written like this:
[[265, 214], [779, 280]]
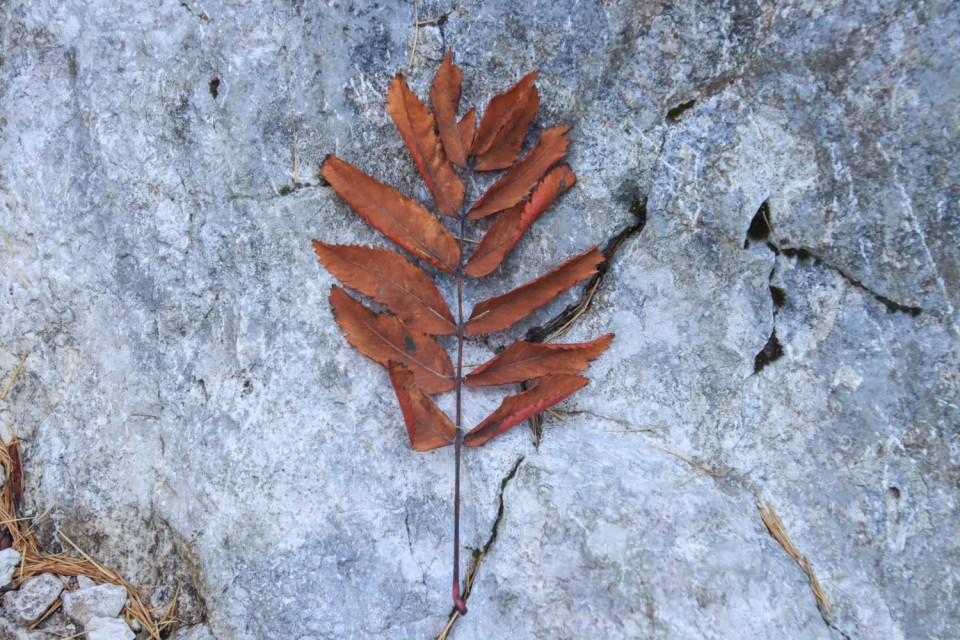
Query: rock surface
[[101, 601], [9, 559], [787, 318], [196, 632], [33, 598], [108, 629]]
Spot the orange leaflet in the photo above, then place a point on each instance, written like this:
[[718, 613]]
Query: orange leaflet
[[390, 279], [445, 97], [515, 409], [517, 183], [417, 128], [504, 125], [503, 311], [468, 128], [509, 227], [528, 360], [427, 426], [405, 221], [383, 338]]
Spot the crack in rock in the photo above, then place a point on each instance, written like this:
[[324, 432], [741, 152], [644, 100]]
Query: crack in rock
[[760, 230], [479, 555], [806, 254]]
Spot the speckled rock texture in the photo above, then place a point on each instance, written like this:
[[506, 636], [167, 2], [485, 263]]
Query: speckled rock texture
[[99, 628], [101, 601], [33, 598], [787, 317]]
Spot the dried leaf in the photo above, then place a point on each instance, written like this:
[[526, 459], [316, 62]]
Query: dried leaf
[[509, 227], [16, 471], [384, 338], [427, 426], [517, 183], [468, 128], [515, 409], [417, 127], [405, 342], [504, 125], [405, 221], [445, 97], [503, 311], [392, 280], [528, 360]]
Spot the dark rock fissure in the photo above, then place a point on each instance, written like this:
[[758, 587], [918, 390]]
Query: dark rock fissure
[[805, 254], [760, 228], [759, 231], [675, 113], [771, 352]]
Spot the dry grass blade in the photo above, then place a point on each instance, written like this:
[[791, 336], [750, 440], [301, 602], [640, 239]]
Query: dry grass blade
[[713, 472], [16, 372], [416, 31], [640, 430], [775, 526], [6, 242], [466, 594], [17, 273], [35, 562], [46, 614]]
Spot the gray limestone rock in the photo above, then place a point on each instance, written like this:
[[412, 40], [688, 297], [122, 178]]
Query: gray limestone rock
[[83, 582], [196, 632], [787, 319], [102, 601], [33, 598], [100, 628], [9, 559]]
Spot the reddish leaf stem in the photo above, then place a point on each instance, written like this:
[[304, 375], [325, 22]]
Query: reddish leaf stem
[[458, 438]]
